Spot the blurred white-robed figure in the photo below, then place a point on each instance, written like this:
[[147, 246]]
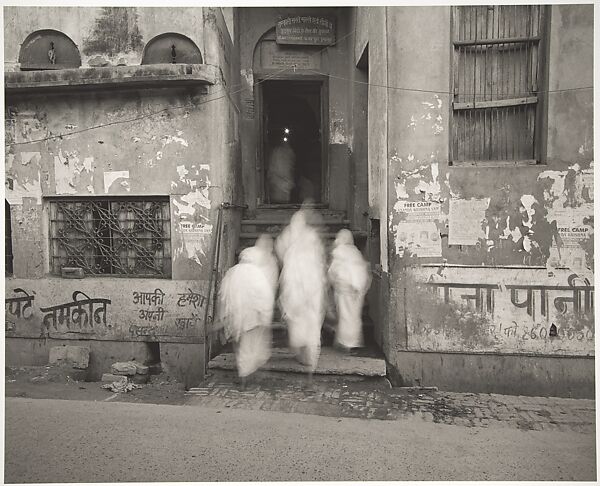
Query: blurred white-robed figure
[[350, 278], [267, 259], [302, 288], [280, 174], [246, 300]]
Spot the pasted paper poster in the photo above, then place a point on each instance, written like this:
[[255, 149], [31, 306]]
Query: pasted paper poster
[[419, 210], [194, 237], [419, 238], [573, 232], [465, 221]]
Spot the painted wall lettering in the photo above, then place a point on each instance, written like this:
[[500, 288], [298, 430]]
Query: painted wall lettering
[[190, 298], [184, 323], [515, 310], [13, 304], [142, 311], [581, 299], [149, 298], [152, 315], [76, 313], [142, 331]]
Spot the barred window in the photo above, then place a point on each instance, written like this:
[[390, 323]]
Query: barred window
[[497, 76], [117, 236]]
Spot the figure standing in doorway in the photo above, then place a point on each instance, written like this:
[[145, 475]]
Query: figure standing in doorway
[[350, 278], [246, 300], [280, 175], [302, 288]]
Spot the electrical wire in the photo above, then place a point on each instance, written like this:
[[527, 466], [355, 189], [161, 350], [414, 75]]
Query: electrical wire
[[419, 90]]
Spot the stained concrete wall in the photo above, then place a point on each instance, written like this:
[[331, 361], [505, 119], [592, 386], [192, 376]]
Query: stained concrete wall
[[104, 35], [513, 219], [367, 99], [164, 140]]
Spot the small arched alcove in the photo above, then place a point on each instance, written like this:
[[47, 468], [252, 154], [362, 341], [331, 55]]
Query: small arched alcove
[[48, 49], [171, 48]]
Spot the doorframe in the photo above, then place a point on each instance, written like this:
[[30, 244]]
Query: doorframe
[[323, 82]]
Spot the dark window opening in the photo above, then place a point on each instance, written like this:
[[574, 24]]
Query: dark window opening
[[8, 253], [294, 169], [119, 236], [374, 243], [153, 353]]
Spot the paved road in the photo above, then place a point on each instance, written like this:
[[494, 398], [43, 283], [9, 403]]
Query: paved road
[[83, 441]]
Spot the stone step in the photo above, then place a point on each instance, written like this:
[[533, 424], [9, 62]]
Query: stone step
[[254, 235], [331, 362], [283, 214], [276, 227], [248, 239], [265, 221]]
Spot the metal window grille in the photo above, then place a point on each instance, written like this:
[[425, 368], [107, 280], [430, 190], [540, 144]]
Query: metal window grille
[[111, 236], [496, 77], [8, 254]]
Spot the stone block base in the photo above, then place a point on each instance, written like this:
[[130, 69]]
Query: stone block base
[[570, 377]]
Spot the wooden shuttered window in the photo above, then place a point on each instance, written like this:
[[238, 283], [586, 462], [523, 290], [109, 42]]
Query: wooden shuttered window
[[497, 77]]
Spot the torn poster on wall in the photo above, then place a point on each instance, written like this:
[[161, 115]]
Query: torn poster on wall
[[194, 237], [465, 221], [574, 229], [418, 210], [419, 238]]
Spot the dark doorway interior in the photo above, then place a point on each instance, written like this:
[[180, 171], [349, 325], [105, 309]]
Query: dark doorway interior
[[294, 169]]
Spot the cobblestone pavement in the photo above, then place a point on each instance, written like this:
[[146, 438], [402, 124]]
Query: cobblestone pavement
[[374, 400]]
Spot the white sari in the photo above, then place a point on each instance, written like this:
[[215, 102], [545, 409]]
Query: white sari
[[246, 300], [350, 278], [302, 287]]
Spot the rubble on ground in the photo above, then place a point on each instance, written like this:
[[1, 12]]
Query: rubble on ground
[[121, 386], [125, 368], [111, 378]]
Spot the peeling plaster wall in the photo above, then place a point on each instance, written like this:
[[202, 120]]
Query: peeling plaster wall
[[189, 154], [168, 154], [526, 224], [177, 153], [104, 35]]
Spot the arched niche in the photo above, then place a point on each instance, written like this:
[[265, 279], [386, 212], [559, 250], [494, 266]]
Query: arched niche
[[171, 48], [48, 49], [270, 57]]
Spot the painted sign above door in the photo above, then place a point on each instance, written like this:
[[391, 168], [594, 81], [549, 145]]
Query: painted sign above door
[[273, 56], [306, 30]]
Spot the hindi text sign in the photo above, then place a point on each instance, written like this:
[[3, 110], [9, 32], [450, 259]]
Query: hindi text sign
[[306, 30]]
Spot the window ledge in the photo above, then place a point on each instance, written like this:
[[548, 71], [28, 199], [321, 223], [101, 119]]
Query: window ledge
[[492, 163], [146, 76]]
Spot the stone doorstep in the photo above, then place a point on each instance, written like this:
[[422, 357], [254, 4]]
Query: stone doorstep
[[331, 362]]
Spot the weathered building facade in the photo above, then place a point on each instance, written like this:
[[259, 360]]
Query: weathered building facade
[[456, 143], [131, 204]]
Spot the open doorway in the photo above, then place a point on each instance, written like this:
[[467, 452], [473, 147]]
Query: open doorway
[[294, 166]]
